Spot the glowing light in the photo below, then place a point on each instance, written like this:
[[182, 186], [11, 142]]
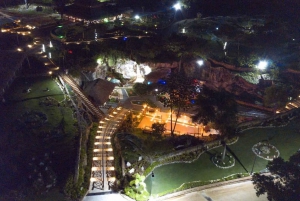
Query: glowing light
[[50, 72], [225, 44], [137, 17], [177, 6], [50, 44], [200, 62], [262, 65], [43, 48]]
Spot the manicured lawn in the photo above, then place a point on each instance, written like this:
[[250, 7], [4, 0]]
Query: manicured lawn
[[51, 142], [171, 176]]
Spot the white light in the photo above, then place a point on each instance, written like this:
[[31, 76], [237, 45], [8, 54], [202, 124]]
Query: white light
[[50, 56], [137, 17], [200, 62], [50, 45], [156, 89], [177, 6], [217, 28], [225, 45], [262, 65], [43, 48]]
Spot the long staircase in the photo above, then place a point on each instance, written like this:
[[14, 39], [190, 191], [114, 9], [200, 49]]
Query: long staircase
[[89, 105], [103, 172]]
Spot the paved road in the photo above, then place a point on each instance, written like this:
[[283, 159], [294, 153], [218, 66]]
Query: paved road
[[234, 192]]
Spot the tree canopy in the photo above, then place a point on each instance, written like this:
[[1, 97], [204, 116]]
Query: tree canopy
[[283, 182], [177, 93], [218, 107]]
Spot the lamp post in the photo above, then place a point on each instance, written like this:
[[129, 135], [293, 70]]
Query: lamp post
[[177, 6], [152, 176]]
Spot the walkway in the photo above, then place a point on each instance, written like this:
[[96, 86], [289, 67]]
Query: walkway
[[103, 174], [290, 105]]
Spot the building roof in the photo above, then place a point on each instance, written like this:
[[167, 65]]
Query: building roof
[[98, 90]]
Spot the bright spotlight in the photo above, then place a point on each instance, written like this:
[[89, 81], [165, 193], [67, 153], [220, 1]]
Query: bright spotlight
[[200, 62], [262, 65], [137, 17], [177, 6]]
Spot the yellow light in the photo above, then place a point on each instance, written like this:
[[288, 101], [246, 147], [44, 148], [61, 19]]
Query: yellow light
[[50, 72]]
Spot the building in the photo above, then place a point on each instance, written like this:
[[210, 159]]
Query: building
[[98, 91]]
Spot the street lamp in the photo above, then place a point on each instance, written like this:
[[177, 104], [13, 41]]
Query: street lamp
[[136, 17], [262, 65], [200, 62], [152, 176], [177, 6]]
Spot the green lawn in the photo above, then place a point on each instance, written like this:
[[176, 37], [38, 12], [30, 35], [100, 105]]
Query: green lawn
[[171, 176], [20, 143]]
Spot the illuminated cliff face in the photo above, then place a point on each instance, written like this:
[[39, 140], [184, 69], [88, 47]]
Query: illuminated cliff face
[[130, 70]]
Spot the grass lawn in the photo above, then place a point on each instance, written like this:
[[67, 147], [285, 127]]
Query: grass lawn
[[171, 176], [21, 143]]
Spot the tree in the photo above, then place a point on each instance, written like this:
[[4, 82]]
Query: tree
[[158, 129], [141, 89], [177, 93], [283, 182], [275, 96], [218, 107], [137, 188], [127, 124]]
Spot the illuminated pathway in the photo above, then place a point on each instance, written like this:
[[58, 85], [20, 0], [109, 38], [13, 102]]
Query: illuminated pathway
[[290, 105], [103, 174]]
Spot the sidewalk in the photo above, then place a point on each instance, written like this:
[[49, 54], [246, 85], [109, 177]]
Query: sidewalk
[[200, 188]]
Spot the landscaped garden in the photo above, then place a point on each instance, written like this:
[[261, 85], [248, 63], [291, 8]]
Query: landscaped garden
[[171, 176], [38, 135]]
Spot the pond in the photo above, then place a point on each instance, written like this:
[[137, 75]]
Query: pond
[[171, 176]]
